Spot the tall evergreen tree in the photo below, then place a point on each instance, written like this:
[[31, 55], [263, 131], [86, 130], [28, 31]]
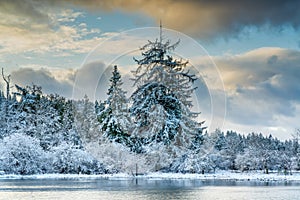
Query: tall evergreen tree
[[162, 103], [114, 116], [86, 120]]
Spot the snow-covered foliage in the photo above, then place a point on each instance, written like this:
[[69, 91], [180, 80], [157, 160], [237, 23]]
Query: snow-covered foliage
[[118, 157], [70, 160], [232, 151], [37, 135], [113, 115], [192, 163], [48, 118], [22, 154], [158, 112], [161, 105], [86, 122], [49, 134]]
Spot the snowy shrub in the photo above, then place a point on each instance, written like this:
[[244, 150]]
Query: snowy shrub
[[191, 163], [283, 162], [68, 159], [295, 163], [184, 164], [118, 158], [248, 161], [22, 154], [159, 156]]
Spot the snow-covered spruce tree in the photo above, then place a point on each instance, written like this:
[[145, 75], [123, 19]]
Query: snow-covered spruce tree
[[161, 105], [113, 116], [86, 121]]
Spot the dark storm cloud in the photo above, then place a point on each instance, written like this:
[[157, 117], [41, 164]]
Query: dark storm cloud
[[30, 11], [207, 19], [201, 18]]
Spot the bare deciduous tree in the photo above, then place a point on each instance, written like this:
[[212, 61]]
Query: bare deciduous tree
[[7, 81]]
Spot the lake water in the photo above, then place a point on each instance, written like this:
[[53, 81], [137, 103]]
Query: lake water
[[81, 189]]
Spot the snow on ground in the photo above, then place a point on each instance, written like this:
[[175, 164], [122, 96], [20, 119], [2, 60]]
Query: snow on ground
[[220, 175], [227, 175]]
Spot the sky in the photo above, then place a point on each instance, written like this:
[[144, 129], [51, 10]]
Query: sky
[[246, 53]]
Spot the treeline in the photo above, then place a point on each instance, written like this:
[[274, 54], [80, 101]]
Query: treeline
[[159, 124], [155, 128], [49, 134], [233, 151], [38, 134]]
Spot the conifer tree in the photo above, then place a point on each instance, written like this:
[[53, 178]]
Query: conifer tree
[[162, 103], [113, 113], [86, 120]]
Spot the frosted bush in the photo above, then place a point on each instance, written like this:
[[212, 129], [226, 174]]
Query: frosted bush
[[159, 156], [192, 163], [68, 159], [117, 157], [22, 154]]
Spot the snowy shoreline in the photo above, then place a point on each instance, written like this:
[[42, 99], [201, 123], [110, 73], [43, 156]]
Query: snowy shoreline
[[222, 175]]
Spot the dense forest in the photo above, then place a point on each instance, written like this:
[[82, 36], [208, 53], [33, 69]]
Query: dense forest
[[49, 134], [154, 129]]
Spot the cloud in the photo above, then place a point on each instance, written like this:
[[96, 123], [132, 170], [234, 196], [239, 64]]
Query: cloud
[[200, 18], [275, 69], [41, 26], [22, 13], [262, 85], [87, 79], [44, 78], [207, 19], [92, 79], [262, 89]]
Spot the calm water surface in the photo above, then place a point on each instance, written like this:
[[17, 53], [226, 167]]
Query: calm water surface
[[73, 189]]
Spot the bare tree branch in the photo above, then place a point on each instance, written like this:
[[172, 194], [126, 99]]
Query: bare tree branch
[[7, 81]]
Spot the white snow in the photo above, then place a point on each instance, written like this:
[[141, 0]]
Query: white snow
[[220, 175], [227, 175]]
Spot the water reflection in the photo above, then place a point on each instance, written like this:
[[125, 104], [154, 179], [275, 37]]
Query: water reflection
[[145, 189]]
